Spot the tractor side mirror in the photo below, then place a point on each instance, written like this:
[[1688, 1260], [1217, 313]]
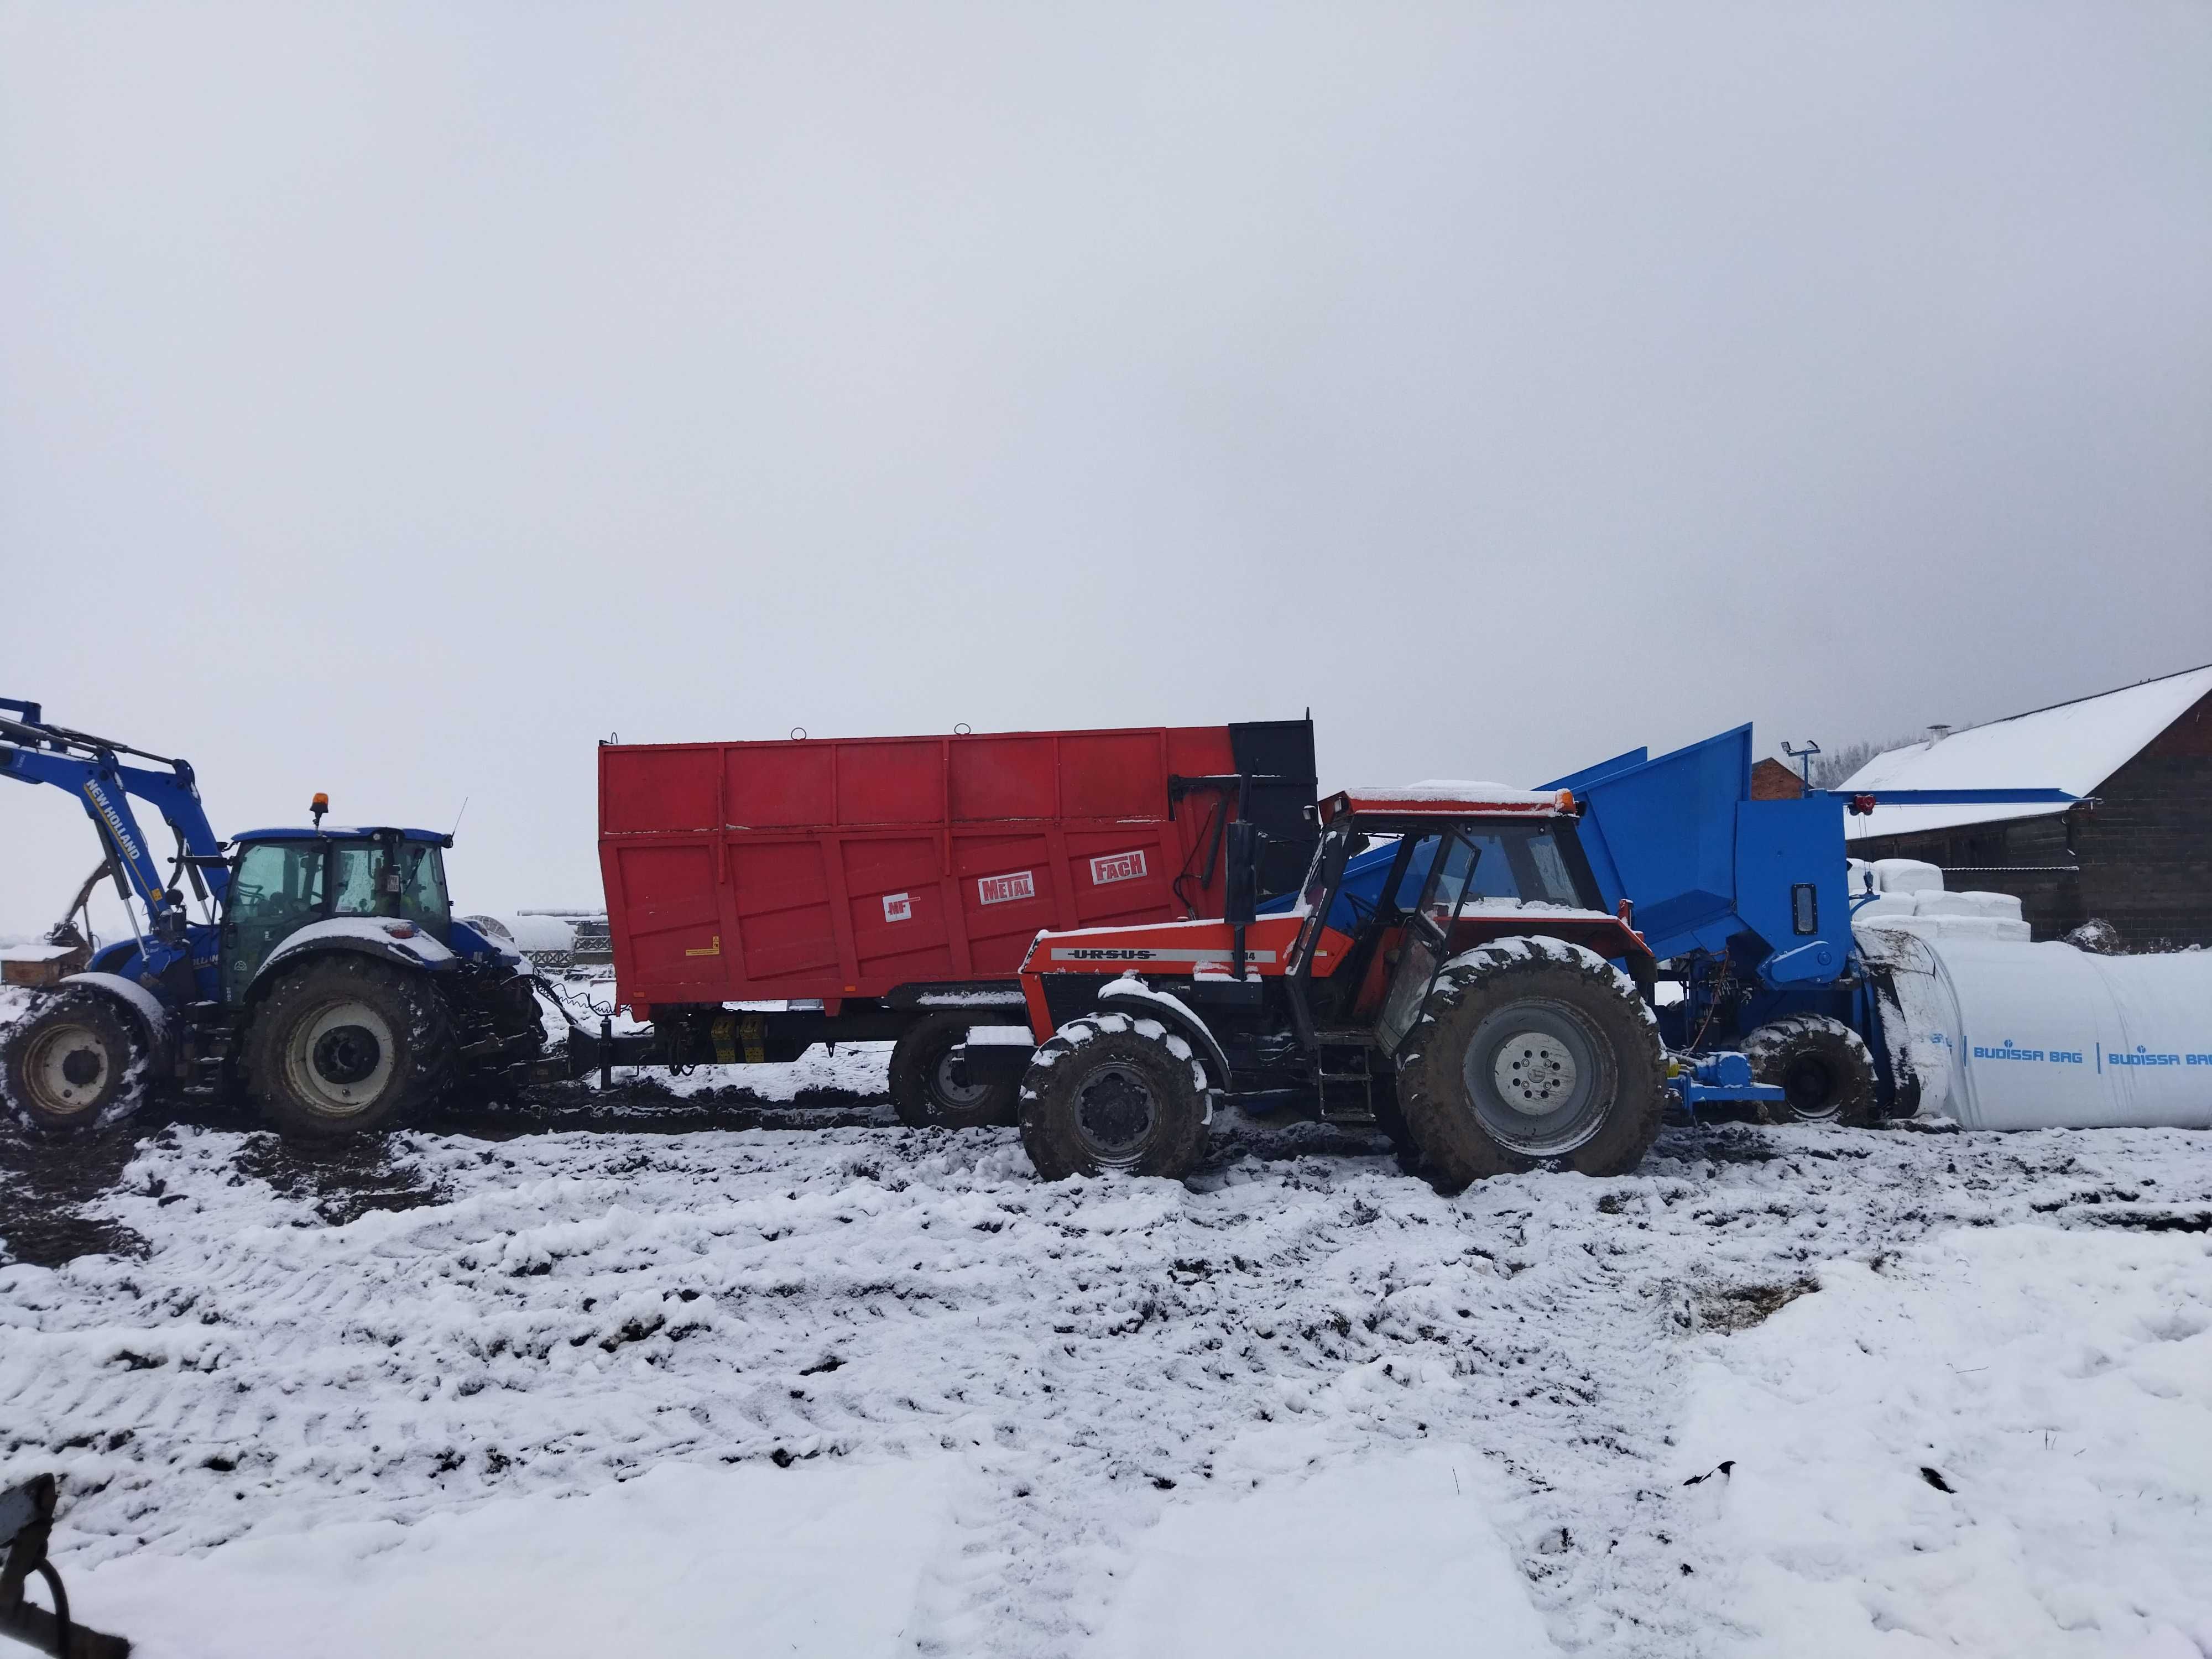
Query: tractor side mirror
[[1241, 902]]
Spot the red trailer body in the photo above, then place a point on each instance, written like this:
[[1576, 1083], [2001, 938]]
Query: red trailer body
[[862, 868]]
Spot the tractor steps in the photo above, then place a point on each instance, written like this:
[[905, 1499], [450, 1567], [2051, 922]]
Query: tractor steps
[[1344, 1078]]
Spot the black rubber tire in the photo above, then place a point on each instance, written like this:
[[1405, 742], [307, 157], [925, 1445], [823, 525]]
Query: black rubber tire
[[920, 1091], [284, 1060], [1146, 1067], [1823, 1066], [1390, 1118], [79, 1058], [1547, 978]]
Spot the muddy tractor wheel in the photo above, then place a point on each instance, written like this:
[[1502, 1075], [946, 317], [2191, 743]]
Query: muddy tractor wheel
[[1112, 1091], [1531, 1051], [74, 1061], [1824, 1069], [345, 1045], [929, 1087]]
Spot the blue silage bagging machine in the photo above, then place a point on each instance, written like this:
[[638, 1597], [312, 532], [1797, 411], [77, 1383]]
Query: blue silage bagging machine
[[1749, 904]]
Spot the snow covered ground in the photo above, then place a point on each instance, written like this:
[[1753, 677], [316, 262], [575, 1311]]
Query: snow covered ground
[[863, 1390]]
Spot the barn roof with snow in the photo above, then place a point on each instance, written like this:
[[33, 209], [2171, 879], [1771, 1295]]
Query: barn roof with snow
[[2074, 747]]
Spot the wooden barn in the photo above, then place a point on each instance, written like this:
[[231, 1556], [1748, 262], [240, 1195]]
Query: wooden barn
[[2139, 856]]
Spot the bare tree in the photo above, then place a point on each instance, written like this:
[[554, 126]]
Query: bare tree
[[1833, 767]]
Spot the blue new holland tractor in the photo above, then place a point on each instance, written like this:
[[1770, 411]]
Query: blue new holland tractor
[[323, 974]]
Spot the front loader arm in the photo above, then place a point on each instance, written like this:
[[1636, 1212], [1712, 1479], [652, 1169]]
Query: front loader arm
[[33, 751]]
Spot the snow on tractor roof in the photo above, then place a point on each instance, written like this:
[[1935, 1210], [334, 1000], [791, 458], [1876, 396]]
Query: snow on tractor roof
[[1452, 798], [342, 832]]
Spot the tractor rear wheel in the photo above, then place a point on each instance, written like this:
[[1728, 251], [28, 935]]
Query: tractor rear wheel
[[1531, 1051], [345, 1044], [76, 1061], [1111, 1092], [929, 1088], [1824, 1069]]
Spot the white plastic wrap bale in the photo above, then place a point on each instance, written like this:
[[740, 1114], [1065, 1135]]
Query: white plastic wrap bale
[[2006, 906], [1968, 915], [1936, 902], [1931, 913], [1906, 876], [1884, 904], [2007, 1035]]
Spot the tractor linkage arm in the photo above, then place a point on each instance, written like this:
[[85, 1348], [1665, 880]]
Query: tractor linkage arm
[[34, 750]]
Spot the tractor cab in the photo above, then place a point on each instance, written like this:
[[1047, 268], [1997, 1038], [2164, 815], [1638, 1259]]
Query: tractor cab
[[1409, 877], [282, 880]]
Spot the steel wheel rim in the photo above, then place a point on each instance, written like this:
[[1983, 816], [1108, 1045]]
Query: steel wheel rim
[[946, 1090], [56, 1071], [1539, 1077], [338, 1060], [1807, 1080], [1117, 1112]]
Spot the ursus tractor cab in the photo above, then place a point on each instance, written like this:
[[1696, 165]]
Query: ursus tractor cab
[[1446, 971]]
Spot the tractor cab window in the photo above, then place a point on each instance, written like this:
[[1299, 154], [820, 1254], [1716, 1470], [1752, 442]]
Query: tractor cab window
[[278, 882], [1522, 864], [404, 879], [359, 879], [276, 889], [1458, 860], [422, 885]]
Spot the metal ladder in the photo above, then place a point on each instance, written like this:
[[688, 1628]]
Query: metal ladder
[[1344, 1077]]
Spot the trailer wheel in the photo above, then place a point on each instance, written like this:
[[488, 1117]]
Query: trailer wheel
[[345, 1044], [1529, 1051], [1113, 1093], [76, 1061], [1824, 1069], [928, 1087]]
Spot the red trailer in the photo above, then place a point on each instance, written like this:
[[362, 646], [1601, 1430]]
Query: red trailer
[[850, 889]]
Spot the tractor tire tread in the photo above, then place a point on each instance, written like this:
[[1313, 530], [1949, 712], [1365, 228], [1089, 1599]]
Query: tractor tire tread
[[1771, 1048], [914, 1057], [96, 1009], [429, 1064], [1455, 1152], [1048, 1085]]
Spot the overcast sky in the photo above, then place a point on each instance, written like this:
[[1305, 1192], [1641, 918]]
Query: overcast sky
[[394, 400]]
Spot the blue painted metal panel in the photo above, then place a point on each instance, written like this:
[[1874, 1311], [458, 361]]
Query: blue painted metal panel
[[1581, 780], [1663, 834], [1781, 846]]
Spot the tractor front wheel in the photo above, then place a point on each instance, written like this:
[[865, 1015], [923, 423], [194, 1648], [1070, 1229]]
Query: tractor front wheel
[[76, 1061], [930, 1087], [1531, 1051], [345, 1044], [1111, 1092]]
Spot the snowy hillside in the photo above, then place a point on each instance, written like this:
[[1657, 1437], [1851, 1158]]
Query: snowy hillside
[[862, 1390]]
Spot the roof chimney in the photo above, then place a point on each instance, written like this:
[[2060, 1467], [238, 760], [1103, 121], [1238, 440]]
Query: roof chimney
[[1936, 734]]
